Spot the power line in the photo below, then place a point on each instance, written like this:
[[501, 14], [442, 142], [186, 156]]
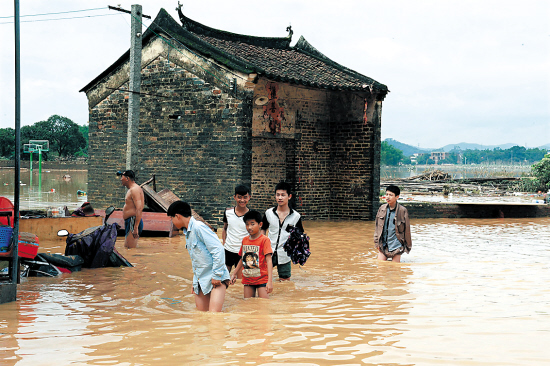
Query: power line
[[46, 20], [61, 12]]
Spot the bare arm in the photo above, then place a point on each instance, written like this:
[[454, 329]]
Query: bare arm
[[236, 271], [269, 286], [137, 197], [224, 233]]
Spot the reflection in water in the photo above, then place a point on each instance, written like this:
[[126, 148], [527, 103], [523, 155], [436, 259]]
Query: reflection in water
[[50, 190], [469, 293]]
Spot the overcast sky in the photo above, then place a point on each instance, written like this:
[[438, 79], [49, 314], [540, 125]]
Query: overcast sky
[[457, 71]]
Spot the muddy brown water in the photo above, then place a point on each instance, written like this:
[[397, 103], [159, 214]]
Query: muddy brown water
[[472, 292]]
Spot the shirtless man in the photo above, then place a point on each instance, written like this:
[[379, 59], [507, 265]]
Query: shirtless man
[[133, 208]]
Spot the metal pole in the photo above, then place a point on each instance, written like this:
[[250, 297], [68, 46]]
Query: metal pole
[[13, 271], [132, 152]]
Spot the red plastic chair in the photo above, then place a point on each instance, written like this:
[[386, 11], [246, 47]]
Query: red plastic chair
[[6, 212]]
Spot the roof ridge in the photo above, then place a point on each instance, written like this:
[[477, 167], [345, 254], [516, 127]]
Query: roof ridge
[[305, 47], [207, 48], [199, 28]]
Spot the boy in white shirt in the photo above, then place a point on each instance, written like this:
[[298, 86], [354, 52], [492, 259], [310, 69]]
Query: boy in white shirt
[[234, 227]]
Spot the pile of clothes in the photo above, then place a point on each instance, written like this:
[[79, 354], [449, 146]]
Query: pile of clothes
[[297, 246]]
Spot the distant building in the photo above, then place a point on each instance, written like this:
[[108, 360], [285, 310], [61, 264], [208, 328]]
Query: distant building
[[220, 109], [436, 156]]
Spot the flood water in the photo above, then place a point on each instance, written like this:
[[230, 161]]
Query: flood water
[[471, 292], [39, 192]]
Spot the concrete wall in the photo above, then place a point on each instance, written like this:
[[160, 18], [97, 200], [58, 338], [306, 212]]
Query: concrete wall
[[424, 210]]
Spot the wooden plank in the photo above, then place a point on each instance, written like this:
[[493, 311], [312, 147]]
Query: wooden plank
[[46, 228], [167, 196], [152, 221], [155, 198]]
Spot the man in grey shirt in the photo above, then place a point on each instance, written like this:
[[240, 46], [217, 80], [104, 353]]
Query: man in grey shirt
[[392, 233]]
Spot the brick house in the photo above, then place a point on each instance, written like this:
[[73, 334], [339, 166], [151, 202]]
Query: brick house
[[219, 109]]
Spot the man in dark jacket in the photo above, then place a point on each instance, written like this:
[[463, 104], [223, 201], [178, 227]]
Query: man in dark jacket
[[392, 233]]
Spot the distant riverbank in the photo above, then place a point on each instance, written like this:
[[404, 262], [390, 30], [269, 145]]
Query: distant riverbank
[[462, 171]]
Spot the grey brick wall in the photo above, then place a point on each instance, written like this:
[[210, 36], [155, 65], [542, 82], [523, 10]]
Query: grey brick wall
[[193, 136]]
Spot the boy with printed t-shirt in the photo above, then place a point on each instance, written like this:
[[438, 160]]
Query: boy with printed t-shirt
[[234, 228], [255, 259], [277, 223]]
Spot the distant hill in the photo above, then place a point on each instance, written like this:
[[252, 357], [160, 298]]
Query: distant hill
[[469, 146], [408, 150]]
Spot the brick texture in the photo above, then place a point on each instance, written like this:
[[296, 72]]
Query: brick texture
[[193, 137]]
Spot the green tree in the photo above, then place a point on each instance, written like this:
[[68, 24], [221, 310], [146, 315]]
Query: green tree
[[64, 135], [390, 155], [84, 131], [7, 142], [423, 159], [541, 171], [452, 158]]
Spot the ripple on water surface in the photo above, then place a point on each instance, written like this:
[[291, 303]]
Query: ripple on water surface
[[471, 292]]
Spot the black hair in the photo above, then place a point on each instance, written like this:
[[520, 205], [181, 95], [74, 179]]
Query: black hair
[[127, 173], [242, 190], [252, 215], [394, 189], [179, 207], [284, 186]]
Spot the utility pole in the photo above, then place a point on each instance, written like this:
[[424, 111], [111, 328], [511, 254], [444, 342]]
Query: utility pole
[[132, 150], [14, 268]]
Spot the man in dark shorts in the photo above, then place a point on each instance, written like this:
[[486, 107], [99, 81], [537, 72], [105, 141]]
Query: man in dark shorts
[[133, 208]]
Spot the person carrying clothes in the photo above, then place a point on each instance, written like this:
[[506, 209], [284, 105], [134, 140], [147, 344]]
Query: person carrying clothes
[[234, 227], [277, 223], [255, 259], [392, 233], [210, 275]]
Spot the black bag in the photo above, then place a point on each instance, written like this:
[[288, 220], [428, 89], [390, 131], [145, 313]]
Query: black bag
[[274, 258]]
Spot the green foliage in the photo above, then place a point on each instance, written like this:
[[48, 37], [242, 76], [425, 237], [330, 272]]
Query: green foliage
[[452, 158], [66, 138], [64, 135], [541, 171], [424, 159], [390, 155], [513, 155], [7, 142]]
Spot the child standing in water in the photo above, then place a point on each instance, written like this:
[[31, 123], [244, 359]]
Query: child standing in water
[[277, 223], [210, 275], [255, 259], [234, 228]]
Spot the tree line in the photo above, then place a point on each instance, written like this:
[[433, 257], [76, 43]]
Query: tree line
[[392, 156], [67, 139]]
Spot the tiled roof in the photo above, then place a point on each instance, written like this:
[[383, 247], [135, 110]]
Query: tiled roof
[[272, 57]]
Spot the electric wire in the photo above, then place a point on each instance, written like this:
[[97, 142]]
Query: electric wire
[[61, 12], [47, 20]]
